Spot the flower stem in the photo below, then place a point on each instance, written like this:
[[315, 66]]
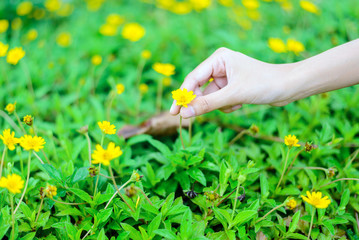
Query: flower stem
[[38, 157], [38, 213], [102, 139], [239, 135], [144, 194], [26, 183], [98, 177], [19, 122], [42, 150], [159, 95], [180, 130], [311, 223], [262, 218], [66, 203], [295, 158], [89, 146], [340, 179], [111, 97], [12, 217], [2, 160], [235, 200], [284, 169]]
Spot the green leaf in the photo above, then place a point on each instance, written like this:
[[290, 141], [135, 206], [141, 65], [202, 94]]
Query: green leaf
[[68, 227], [344, 199], [197, 175], [102, 235], [264, 186], [29, 236], [293, 225], [223, 178], [134, 234], [243, 217], [167, 204], [80, 174], [154, 225], [81, 194], [221, 218], [176, 209], [296, 236], [186, 224], [329, 226], [167, 234], [143, 233], [70, 211], [52, 172], [160, 146], [103, 215]]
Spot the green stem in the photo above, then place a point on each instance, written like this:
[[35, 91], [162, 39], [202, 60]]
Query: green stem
[[38, 213], [341, 179], [19, 122], [235, 200], [98, 177], [12, 217], [89, 146], [180, 130], [239, 135], [38, 157], [284, 169], [159, 96], [311, 223], [2, 160], [112, 96], [296, 156], [26, 183], [102, 139], [262, 218]]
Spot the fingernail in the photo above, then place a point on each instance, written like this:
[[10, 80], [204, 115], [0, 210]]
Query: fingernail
[[187, 112], [172, 108]]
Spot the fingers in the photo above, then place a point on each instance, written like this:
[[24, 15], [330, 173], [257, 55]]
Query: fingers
[[231, 108]]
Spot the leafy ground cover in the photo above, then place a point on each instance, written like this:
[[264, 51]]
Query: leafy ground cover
[[71, 65]]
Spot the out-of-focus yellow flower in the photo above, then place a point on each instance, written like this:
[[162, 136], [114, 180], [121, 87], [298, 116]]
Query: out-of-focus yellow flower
[[108, 30], [50, 191], [181, 8], [146, 54], [295, 46], [120, 88], [291, 141], [166, 81], [183, 97], [65, 10], [107, 128], [51, 65], [4, 25], [96, 60], [104, 156], [39, 13], [143, 88], [133, 32], [245, 23], [199, 5], [13, 183], [9, 139], [226, 3], [24, 8], [63, 39], [211, 80], [166, 69], [254, 15], [309, 6], [28, 120], [32, 143], [115, 19], [14, 55], [315, 199], [251, 4], [286, 29], [31, 35], [291, 204], [3, 49], [287, 6], [16, 23], [11, 107], [165, 4], [94, 5], [277, 45], [53, 5]]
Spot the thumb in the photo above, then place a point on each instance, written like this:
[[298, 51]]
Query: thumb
[[205, 104]]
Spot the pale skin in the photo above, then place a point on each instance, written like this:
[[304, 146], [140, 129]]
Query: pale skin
[[239, 79]]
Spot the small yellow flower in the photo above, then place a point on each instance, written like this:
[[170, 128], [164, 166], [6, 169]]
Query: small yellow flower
[[107, 128], [315, 199], [16, 23], [32, 143], [133, 32], [9, 139], [143, 88], [39, 13], [309, 6], [166, 81], [226, 3], [115, 19], [291, 204], [104, 156], [13, 183], [94, 5], [210, 80], [120, 88], [96, 60], [11, 107], [291, 141], [63, 39], [181, 8], [135, 177], [31, 35], [52, 5], [24, 8], [14, 55], [108, 30], [65, 10], [250, 4], [277, 45], [50, 191], [295, 46], [4, 25], [146, 54], [183, 97], [166, 69], [200, 5], [28, 120]]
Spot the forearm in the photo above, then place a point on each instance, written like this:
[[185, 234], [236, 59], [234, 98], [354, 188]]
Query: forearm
[[334, 69]]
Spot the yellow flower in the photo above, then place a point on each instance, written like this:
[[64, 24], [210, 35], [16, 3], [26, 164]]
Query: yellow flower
[[94, 5], [250, 4], [63, 39], [16, 23], [143, 88], [165, 4], [39, 13], [52, 5], [13, 183], [254, 15], [14, 55], [104, 156], [291, 204], [133, 32], [315, 199], [309, 6], [295, 46], [9, 139], [96, 60], [50, 191], [181, 8], [210, 80], [107, 128], [277, 45], [4, 25], [28, 120], [120, 88], [167, 81], [166, 69], [115, 19], [287, 6], [32, 143], [65, 10], [31, 35], [24, 8], [146, 54], [108, 30], [183, 97], [199, 5], [10, 108], [226, 3], [291, 141]]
